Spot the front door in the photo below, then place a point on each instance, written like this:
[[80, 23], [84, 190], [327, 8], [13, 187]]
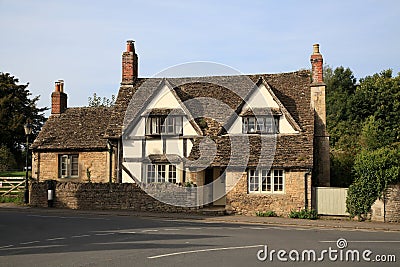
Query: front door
[[208, 187]]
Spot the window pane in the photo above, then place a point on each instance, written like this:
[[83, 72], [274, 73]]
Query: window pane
[[268, 125], [170, 125], [148, 125], [253, 181], [252, 125], [161, 173], [269, 182], [63, 166], [178, 125], [163, 124], [74, 165], [278, 180], [245, 125], [155, 126], [264, 180], [276, 124], [172, 174], [260, 125], [151, 173]]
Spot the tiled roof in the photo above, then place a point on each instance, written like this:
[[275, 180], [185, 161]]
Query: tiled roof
[[216, 99], [75, 129]]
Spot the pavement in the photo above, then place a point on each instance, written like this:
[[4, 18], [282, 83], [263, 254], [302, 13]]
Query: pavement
[[323, 222]]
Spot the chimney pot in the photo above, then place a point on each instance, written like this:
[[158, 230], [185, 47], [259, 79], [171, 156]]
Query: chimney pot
[[57, 87], [316, 49], [61, 82], [130, 46]]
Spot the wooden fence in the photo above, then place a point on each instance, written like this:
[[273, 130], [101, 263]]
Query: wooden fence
[[330, 200], [11, 185]]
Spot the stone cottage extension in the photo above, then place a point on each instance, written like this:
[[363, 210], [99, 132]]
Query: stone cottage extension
[[248, 142]]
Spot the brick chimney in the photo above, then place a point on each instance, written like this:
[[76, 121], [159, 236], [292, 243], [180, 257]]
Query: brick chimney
[[129, 64], [58, 98], [317, 65]]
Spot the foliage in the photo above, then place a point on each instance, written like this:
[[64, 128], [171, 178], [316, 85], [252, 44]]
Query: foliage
[[341, 168], [374, 171], [269, 213], [18, 199], [304, 214], [16, 108], [14, 173], [7, 160], [98, 101], [360, 117]]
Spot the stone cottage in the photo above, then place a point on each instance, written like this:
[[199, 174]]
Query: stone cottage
[[245, 142]]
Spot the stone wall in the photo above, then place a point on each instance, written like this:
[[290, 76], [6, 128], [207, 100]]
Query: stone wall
[[101, 196], [241, 202], [45, 166], [387, 209]]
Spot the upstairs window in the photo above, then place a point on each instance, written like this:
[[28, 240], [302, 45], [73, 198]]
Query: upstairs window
[[164, 125], [68, 166], [260, 124]]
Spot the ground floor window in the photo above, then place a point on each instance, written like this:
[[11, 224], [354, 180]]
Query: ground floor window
[[265, 181], [160, 173], [68, 166]]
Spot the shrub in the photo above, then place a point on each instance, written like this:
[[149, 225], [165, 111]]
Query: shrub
[[269, 213], [304, 214], [374, 171]]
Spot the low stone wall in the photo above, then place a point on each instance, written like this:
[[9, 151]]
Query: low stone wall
[[103, 196], [387, 209]]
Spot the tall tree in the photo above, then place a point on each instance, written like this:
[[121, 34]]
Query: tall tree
[[16, 108]]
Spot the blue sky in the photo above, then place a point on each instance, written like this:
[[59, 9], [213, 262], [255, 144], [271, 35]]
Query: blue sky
[[82, 41]]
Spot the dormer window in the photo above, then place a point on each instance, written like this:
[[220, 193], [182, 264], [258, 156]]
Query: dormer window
[[169, 125], [260, 124]]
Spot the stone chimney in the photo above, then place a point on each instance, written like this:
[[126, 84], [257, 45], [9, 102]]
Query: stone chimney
[[58, 98], [321, 170], [129, 64]]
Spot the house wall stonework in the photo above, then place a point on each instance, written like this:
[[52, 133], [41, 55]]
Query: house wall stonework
[[45, 166], [239, 201]]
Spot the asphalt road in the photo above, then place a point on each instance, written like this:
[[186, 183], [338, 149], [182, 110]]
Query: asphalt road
[[36, 238]]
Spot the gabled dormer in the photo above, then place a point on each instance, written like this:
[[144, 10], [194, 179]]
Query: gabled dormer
[[163, 114], [263, 113]]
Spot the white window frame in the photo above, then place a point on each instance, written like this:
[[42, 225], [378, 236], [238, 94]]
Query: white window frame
[[161, 173], [260, 124], [263, 181], [170, 125], [68, 166]]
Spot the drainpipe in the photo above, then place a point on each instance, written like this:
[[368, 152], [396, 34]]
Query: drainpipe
[[118, 162], [308, 172]]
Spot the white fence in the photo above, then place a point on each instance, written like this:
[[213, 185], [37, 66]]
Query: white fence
[[330, 200]]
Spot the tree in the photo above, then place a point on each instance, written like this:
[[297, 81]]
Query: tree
[[340, 88], [16, 108], [379, 96], [97, 101]]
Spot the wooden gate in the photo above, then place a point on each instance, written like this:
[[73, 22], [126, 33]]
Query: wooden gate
[[11, 185], [330, 200]]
